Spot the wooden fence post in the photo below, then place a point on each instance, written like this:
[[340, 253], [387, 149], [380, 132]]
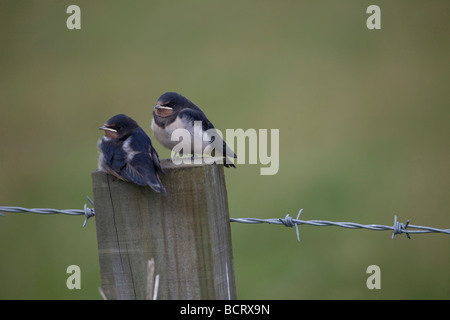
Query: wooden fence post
[[187, 233]]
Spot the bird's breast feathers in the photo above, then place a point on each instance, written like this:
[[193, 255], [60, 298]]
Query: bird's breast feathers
[[163, 135]]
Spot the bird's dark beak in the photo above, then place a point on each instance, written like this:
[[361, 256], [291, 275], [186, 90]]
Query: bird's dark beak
[[163, 111], [105, 128]]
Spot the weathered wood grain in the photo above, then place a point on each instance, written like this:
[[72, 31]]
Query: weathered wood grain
[[187, 233]]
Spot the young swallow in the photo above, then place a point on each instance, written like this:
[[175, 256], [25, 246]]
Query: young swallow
[[127, 153], [174, 111]]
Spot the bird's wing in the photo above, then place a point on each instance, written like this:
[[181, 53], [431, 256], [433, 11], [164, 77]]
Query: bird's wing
[[197, 115], [155, 158], [192, 115], [141, 171], [142, 167], [133, 174]]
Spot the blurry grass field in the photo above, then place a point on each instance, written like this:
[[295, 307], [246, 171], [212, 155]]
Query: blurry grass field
[[363, 118]]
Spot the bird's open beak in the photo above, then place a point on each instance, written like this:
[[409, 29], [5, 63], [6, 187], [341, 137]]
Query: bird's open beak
[[158, 107], [105, 128], [163, 111]]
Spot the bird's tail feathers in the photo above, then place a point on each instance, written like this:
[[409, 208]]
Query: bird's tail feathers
[[156, 185]]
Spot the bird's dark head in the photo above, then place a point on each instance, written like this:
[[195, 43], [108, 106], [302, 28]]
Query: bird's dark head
[[119, 127], [170, 103]]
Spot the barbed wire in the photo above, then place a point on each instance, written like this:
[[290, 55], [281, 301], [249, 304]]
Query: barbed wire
[[288, 221], [397, 228], [88, 212]]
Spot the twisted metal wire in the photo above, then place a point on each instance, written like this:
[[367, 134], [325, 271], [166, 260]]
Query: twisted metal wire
[[397, 228], [288, 221], [87, 212]]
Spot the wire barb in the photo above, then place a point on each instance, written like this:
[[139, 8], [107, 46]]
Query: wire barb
[[400, 228], [289, 222], [88, 212]]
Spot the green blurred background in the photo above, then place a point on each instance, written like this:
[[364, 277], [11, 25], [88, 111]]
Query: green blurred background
[[363, 118]]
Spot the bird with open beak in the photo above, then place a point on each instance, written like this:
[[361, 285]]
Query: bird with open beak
[[174, 111], [126, 152]]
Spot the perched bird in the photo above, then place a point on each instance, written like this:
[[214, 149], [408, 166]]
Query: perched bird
[[127, 153], [174, 111]]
